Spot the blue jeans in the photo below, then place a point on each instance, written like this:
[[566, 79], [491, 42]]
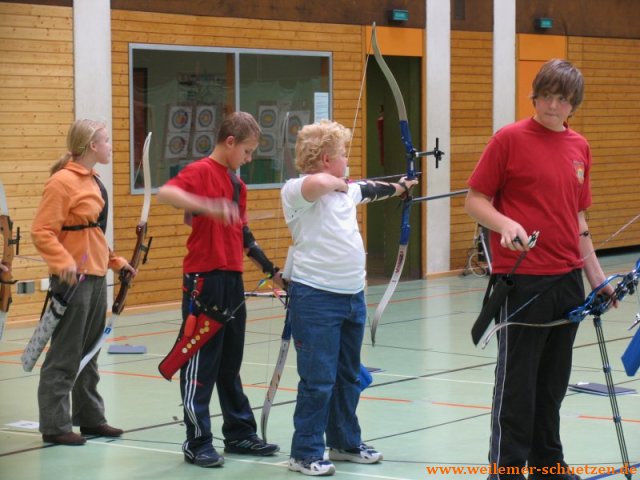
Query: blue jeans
[[327, 330]]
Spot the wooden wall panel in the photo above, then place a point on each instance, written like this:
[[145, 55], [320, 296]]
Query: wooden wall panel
[[362, 12], [610, 119], [36, 109], [581, 18], [471, 126], [160, 279]]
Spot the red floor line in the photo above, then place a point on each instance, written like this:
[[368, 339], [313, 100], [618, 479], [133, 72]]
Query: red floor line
[[363, 397]]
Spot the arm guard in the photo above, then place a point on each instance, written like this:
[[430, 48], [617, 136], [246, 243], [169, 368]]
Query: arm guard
[[256, 253], [372, 191]]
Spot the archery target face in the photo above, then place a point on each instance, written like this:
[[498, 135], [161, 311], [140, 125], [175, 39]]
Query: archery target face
[[267, 117], [205, 117], [267, 145], [180, 119], [295, 122], [202, 144], [177, 144]]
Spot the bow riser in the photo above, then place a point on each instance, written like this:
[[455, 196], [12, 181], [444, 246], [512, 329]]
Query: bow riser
[[11, 247], [141, 250], [405, 135], [6, 279], [598, 304], [140, 253], [405, 229]]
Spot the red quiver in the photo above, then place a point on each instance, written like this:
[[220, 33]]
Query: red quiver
[[196, 332]]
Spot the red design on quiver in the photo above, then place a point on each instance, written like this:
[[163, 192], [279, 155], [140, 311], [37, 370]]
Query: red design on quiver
[[196, 332]]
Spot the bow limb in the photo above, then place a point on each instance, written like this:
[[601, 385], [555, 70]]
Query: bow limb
[[596, 304], [9, 250], [275, 378], [405, 227], [139, 255], [405, 133]]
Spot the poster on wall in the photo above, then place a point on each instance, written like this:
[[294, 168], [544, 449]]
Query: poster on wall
[[320, 106]]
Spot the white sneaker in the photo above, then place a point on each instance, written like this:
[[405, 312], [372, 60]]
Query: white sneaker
[[361, 454], [312, 467]]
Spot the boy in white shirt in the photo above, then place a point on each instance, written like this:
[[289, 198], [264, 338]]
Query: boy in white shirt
[[327, 307]]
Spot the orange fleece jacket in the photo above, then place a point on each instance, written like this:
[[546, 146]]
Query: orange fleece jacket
[[72, 197]]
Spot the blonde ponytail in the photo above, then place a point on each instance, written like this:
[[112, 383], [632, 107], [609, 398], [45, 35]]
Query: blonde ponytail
[[60, 164]]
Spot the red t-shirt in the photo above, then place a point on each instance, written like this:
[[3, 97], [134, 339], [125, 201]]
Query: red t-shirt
[[540, 179], [211, 244]]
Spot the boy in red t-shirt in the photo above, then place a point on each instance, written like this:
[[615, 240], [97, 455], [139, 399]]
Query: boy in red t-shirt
[[215, 198], [534, 175]]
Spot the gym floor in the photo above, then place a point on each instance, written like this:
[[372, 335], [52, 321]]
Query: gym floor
[[428, 406]]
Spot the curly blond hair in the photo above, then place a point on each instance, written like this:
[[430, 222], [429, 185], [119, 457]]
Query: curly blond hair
[[317, 139]]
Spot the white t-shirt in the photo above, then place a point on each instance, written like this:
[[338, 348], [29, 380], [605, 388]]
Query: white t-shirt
[[328, 252]]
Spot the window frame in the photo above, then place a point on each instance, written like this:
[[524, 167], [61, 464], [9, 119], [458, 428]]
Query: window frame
[[237, 52]]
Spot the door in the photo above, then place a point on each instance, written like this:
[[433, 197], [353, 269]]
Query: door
[[386, 156]]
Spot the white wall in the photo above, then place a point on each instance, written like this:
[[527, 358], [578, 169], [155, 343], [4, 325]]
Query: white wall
[[504, 63], [92, 77], [438, 109]]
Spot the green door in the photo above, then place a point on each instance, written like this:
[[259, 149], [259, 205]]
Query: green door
[[386, 156]]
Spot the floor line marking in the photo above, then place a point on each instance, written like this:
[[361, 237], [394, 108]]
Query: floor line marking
[[280, 463]]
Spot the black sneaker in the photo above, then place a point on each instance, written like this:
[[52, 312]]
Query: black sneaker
[[206, 459], [250, 446]]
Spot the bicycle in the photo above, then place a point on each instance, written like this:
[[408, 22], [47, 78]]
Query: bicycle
[[479, 255]]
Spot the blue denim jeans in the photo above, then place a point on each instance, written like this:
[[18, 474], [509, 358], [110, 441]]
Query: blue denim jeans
[[327, 330]]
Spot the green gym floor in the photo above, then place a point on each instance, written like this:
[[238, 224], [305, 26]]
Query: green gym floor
[[428, 406]]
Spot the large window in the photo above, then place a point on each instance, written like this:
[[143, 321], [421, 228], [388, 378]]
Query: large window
[[182, 94]]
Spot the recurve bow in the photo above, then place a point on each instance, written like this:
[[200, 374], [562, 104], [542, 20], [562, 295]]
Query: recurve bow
[[11, 246], [140, 253]]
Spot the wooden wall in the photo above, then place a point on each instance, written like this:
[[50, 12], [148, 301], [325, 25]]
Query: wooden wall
[[471, 125], [580, 18], [36, 109], [352, 12], [610, 119], [159, 280]]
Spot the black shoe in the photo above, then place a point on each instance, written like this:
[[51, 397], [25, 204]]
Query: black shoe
[[250, 446], [69, 438], [206, 459], [104, 430]]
